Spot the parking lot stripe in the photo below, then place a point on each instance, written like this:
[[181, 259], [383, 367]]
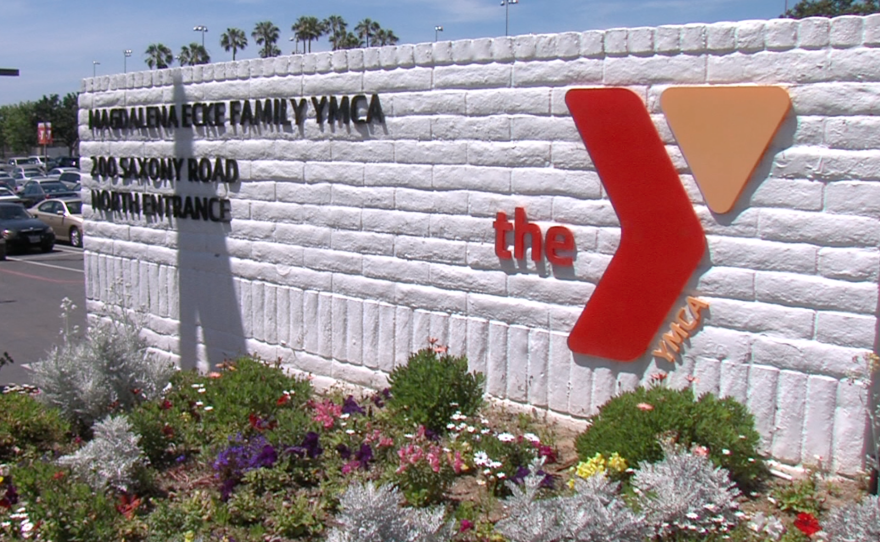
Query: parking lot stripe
[[42, 265]]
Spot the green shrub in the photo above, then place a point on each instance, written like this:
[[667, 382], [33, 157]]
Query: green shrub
[[198, 411], [27, 425], [429, 389], [631, 423]]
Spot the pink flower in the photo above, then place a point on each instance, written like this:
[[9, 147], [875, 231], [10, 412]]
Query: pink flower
[[350, 466], [466, 525], [645, 407], [701, 450], [457, 462], [434, 460], [326, 413]]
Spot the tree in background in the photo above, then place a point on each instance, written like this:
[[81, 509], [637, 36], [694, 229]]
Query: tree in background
[[266, 34], [385, 37], [832, 8], [159, 56], [349, 41], [234, 39], [18, 123], [193, 54], [307, 29], [366, 29], [337, 29]]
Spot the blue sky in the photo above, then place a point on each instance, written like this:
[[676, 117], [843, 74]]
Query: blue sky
[[54, 42]]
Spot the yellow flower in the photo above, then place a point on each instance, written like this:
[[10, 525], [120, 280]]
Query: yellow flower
[[595, 465], [615, 462], [189, 536]]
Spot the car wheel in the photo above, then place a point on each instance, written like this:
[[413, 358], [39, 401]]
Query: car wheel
[[76, 237], [47, 246]]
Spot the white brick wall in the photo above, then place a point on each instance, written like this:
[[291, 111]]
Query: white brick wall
[[349, 248]]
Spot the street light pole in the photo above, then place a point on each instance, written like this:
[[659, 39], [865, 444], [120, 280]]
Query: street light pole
[[125, 55], [95, 64], [437, 30], [202, 29], [506, 4]]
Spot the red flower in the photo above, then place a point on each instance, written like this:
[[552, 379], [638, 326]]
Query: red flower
[[168, 431], [807, 524], [127, 505], [466, 525], [260, 424], [58, 475], [166, 404], [283, 399]]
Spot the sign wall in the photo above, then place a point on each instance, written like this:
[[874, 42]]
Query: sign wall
[[461, 191]]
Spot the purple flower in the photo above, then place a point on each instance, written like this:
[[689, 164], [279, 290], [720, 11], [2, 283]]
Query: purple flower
[[380, 398], [521, 472], [243, 456], [266, 458], [350, 406], [310, 447], [430, 434], [364, 456], [344, 452]]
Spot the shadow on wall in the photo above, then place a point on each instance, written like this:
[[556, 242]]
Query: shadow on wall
[[211, 329]]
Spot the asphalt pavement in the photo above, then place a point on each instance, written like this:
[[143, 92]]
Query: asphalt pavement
[[32, 287]]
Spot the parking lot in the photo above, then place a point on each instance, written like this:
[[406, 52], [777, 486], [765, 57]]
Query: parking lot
[[32, 287]]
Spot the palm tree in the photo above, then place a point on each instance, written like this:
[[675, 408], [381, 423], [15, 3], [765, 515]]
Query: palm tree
[[385, 37], [307, 29], [366, 29], [233, 39], [158, 56], [266, 34], [193, 54], [336, 28], [349, 41]]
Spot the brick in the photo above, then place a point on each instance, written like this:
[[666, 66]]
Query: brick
[[591, 212], [836, 99], [857, 64], [721, 37], [517, 364], [763, 388], [604, 385], [421, 328], [819, 420], [770, 67], [508, 310], [403, 334], [559, 380], [791, 399], [423, 54], [544, 289], [818, 228], [362, 242], [815, 292], [496, 366], [477, 344], [548, 182], [708, 376], [814, 33], [640, 41], [339, 310], [431, 152], [387, 337], [426, 103], [849, 330], [789, 193], [795, 323], [401, 79], [849, 430], [853, 198], [734, 380], [471, 178], [694, 38], [655, 70], [781, 34], [472, 76], [872, 30], [593, 44], [667, 40], [727, 282], [849, 264], [538, 361], [502, 49], [581, 71], [508, 101], [394, 175], [430, 298], [853, 133], [481, 50], [483, 128], [458, 335], [806, 356], [430, 250], [846, 31], [524, 47], [750, 36], [762, 255], [488, 205], [442, 53], [517, 154], [615, 42], [393, 269]]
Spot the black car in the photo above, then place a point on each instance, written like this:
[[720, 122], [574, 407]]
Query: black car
[[39, 189], [64, 161], [23, 232]]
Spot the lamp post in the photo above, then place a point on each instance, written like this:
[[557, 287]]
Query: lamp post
[[295, 45], [437, 30], [125, 55], [202, 29], [95, 64], [506, 4]]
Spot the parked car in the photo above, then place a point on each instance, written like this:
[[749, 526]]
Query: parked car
[[23, 161], [7, 181], [59, 170], [72, 179], [64, 161], [21, 175], [22, 231], [8, 196], [37, 190], [64, 216]]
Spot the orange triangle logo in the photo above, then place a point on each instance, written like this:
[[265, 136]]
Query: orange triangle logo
[[723, 133]]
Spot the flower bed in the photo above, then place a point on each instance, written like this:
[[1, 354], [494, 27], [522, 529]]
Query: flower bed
[[249, 453]]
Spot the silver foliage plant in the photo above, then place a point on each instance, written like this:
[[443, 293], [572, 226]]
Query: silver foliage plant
[[373, 514], [110, 368], [854, 522], [111, 458], [595, 513], [685, 493]]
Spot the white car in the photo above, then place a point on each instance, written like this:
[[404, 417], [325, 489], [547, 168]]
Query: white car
[[8, 196]]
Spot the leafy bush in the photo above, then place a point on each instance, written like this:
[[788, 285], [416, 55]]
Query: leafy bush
[[197, 411], [430, 388], [27, 425], [631, 423], [111, 459], [110, 370], [855, 522], [373, 514], [595, 513], [684, 493]]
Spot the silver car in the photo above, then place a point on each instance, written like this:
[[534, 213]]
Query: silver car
[[64, 216]]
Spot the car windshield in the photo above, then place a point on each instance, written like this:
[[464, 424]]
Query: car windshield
[[54, 187], [10, 212], [75, 207], [5, 192]]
